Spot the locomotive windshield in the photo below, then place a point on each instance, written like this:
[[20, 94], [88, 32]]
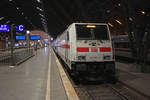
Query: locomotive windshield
[[92, 32]]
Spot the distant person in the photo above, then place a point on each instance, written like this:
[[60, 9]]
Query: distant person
[[35, 49]]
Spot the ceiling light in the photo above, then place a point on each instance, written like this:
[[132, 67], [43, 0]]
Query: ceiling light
[[43, 19], [130, 19], [1, 18], [118, 22], [110, 24], [39, 1], [7, 22], [44, 23], [41, 15], [39, 8], [143, 12], [17, 8], [108, 11]]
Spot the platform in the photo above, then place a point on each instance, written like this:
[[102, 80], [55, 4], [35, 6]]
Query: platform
[[43, 78], [26, 81], [56, 89], [38, 78], [140, 82]]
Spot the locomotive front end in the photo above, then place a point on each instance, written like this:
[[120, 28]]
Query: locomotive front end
[[94, 53]]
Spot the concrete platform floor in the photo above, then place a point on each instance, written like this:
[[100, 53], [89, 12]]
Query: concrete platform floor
[[57, 91], [28, 81], [136, 80]]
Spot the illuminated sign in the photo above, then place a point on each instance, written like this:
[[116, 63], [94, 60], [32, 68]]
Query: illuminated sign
[[4, 28], [20, 28], [90, 26], [34, 37], [20, 37]]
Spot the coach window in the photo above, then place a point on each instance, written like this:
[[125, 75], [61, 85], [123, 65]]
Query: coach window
[[67, 36]]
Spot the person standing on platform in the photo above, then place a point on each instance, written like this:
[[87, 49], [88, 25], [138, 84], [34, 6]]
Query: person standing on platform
[[35, 49]]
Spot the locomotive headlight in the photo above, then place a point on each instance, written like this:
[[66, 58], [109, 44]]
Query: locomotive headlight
[[82, 58]]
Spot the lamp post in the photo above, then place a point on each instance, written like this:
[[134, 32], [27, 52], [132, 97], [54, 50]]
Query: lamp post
[[12, 46], [28, 40]]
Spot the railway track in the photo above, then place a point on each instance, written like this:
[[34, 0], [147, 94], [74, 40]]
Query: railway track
[[100, 92], [103, 91], [107, 92]]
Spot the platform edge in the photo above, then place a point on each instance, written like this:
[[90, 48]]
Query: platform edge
[[70, 91]]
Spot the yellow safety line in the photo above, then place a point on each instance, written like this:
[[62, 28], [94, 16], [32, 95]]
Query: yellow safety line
[[70, 91]]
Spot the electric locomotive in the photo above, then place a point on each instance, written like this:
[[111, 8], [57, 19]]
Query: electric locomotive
[[87, 48]]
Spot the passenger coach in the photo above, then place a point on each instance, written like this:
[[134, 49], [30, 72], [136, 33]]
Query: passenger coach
[[123, 49], [87, 47]]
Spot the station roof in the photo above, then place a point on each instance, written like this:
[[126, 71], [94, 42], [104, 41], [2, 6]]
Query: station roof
[[54, 16]]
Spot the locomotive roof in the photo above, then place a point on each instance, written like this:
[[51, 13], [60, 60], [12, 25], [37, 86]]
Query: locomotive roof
[[83, 24], [91, 23], [88, 24]]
